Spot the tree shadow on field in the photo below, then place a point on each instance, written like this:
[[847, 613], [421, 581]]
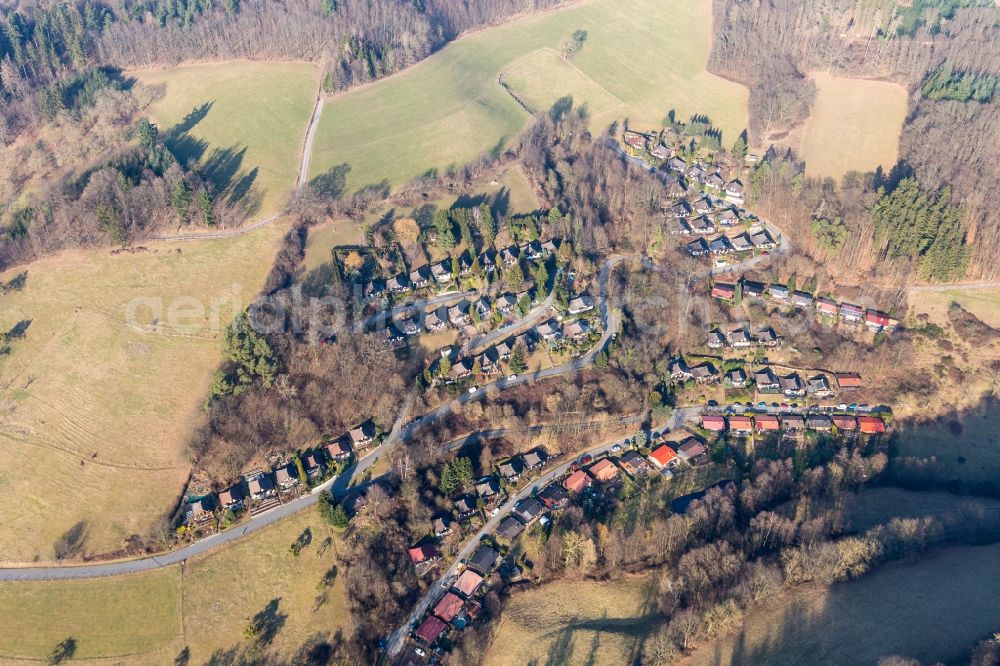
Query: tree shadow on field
[[185, 147], [64, 651], [332, 183], [269, 622], [501, 203], [16, 283], [71, 543], [469, 201]]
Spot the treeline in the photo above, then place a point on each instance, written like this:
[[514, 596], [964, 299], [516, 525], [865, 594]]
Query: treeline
[[361, 41], [138, 187], [910, 222], [949, 84]]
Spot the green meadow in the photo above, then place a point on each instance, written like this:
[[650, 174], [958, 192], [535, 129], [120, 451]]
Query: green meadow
[[450, 108]]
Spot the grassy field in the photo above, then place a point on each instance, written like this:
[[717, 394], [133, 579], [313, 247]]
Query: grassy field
[[934, 609], [96, 403], [575, 622], [878, 506], [450, 108], [854, 125], [984, 303], [149, 618], [247, 118], [542, 77]]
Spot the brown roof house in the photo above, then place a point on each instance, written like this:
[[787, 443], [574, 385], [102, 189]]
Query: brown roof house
[[604, 470], [578, 481]]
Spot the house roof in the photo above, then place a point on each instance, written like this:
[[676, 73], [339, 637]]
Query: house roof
[[510, 527], [603, 470], [533, 458], [468, 582], [512, 467], [792, 422], [690, 448], [483, 559], [553, 494], [871, 424], [704, 370], [465, 504], [423, 552], [662, 455], [845, 421], [449, 606], [430, 629], [819, 421], [723, 290], [577, 481], [713, 422], [848, 379], [363, 432], [740, 422], [529, 509], [876, 317], [766, 422]]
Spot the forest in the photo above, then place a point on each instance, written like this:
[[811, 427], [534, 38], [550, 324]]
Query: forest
[[948, 53], [42, 44]]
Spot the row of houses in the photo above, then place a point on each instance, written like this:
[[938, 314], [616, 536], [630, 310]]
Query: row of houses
[[746, 424], [263, 487], [741, 338], [443, 272], [748, 241], [849, 313], [764, 379]]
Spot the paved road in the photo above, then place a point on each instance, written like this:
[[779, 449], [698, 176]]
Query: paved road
[[307, 147], [501, 333], [396, 640]]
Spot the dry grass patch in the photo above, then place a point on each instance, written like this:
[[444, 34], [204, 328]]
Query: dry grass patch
[[854, 125], [99, 406], [983, 303], [934, 609], [575, 622]]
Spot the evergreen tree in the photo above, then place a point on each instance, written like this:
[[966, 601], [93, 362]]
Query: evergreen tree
[[205, 206], [518, 359], [487, 225], [180, 199], [149, 134], [445, 232], [515, 277]]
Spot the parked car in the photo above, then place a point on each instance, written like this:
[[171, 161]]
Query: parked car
[[586, 459], [616, 447], [762, 405], [472, 389], [853, 407], [420, 652]]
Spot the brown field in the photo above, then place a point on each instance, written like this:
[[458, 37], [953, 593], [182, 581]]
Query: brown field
[[150, 618], [934, 609], [99, 408], [575, 622], [847, 131], [984, 303]]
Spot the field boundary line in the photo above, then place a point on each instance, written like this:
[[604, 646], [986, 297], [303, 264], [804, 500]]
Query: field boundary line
[[503, 82], [92, 461]]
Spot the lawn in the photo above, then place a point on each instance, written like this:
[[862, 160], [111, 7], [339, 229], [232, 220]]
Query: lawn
[[127, 616], [450, 108], [94, 401], [542, 77], [575, 622], [854, 125], [240, 119], [934, 609], [149, 618]]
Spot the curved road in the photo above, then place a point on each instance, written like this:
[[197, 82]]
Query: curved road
[[397, 639]]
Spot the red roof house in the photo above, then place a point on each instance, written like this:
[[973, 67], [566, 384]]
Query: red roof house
[[848, 379], [713, 422], [603, 470], [430, 630], [740, 423], [724, 290], [845, 422], [765, 422], [424, 553], [871, 424], [468, 582], [577, 482], [449, 606], [661, 456]]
